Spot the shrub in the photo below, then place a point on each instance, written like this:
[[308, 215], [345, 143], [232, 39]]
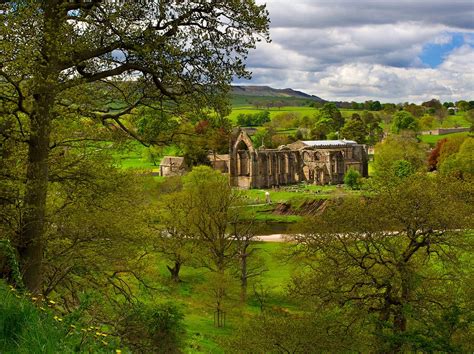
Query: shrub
[[153, 328], [352, 179]]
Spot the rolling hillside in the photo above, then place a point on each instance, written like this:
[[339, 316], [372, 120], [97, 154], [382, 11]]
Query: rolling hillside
[[269, 92]]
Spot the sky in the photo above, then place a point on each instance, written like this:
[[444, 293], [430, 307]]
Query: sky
[[392, 51]]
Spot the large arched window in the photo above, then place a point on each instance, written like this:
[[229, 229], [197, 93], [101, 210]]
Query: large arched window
[[243, 159]]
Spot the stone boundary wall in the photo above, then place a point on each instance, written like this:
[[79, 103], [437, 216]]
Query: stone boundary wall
[[442, 131]]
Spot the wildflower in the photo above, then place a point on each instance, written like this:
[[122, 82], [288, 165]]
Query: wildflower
[[118, 351]]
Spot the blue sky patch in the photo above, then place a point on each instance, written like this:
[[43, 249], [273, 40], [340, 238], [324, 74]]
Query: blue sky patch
[[433, 54]]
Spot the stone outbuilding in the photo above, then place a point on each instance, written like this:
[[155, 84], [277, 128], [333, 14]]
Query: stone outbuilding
[[173, 166]]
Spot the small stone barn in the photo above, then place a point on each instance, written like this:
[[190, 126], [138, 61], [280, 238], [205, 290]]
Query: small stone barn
[[173, 166]]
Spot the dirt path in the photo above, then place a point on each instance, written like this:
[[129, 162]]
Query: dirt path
[[273, 238]]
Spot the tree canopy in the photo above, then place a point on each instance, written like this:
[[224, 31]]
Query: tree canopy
[[100, 60]]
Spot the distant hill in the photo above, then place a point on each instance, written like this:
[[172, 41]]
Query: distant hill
[[266, 91]]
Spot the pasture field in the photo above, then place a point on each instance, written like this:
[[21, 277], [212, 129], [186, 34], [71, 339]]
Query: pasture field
[[433, 139]]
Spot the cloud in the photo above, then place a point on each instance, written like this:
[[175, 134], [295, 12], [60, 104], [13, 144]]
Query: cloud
[[340, 13], [367, 49], [360, 81]]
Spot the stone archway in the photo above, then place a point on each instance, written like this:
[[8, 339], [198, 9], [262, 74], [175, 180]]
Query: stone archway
[[243, 159]]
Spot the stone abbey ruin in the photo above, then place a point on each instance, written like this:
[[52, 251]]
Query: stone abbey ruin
[[315, 161]]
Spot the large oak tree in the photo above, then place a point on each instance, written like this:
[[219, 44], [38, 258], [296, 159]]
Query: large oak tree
[[173, 54]]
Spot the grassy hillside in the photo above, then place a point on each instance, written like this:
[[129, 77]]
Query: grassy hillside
[[28, 328]]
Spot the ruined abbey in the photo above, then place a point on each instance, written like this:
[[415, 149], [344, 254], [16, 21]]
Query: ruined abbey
[[315, 161]]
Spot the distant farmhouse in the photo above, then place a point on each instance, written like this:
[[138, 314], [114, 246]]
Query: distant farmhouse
[[316, 161]]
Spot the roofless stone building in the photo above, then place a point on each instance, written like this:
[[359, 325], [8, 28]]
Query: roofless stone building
[[315, 161]]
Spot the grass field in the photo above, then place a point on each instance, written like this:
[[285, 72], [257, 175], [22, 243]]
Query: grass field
[[192, 297], [433, 139]]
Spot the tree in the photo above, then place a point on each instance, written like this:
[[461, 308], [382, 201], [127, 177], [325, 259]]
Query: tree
[[374, 130], [376, 106], [426, 122], [460, 164], [182, 53], [463, 105], [354, 129], [442, 113], [403, 121], [450, 147], [209, 215], [433, 103], [396, 148], [174, 238], [415, 110], [434, 155], [243, 230], [330, 113], [396, 262], [264, 137]]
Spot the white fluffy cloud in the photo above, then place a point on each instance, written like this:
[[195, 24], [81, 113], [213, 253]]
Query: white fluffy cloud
[[346, 50]]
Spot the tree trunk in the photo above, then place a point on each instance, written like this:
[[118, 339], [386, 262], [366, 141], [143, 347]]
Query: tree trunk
[[44, 83], [175, 271], [243, 278], [30, 247]]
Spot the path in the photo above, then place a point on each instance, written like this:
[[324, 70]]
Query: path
[[273, 238]]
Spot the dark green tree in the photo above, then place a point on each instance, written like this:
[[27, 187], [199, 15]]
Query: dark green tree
[[355, 129], [331, 114], [403, 120]]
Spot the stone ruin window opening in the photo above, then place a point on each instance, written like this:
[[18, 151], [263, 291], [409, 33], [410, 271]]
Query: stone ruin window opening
[[243, 156]]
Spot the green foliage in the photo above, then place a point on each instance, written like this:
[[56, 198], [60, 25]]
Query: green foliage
[[256, 119], [403, 120], [281, 331], [264, 137], [153, 327], [402, 168], [396, 148], [9, 262], [352, 179], [25, 328], [398, 261], [328, 119], [451, 146], [461, 163], [354, 129]]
